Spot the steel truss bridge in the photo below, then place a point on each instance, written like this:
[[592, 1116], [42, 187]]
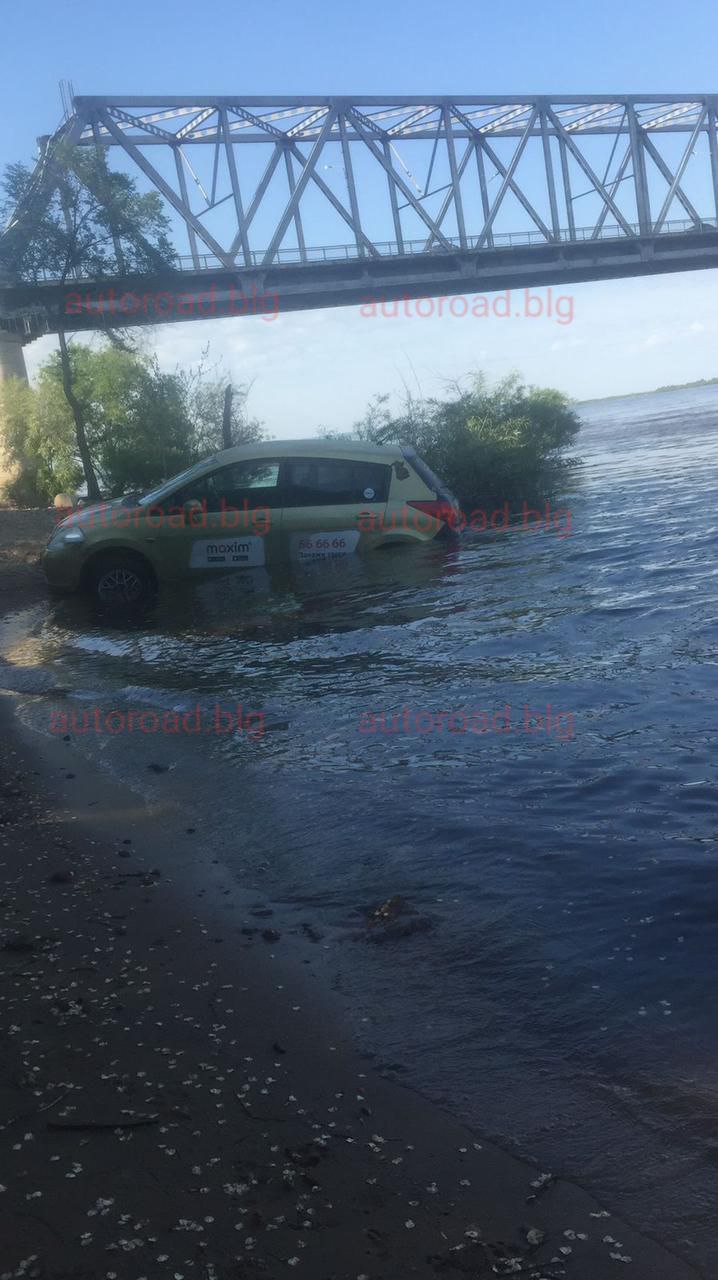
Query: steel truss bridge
[[327, 201]]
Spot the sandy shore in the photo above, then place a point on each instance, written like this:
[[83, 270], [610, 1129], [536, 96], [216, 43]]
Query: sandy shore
[[178, 1097]]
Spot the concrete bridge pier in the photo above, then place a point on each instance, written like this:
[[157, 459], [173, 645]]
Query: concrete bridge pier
[[12, 360]]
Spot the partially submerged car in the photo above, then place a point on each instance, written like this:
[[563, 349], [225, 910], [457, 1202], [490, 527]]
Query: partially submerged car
[[250, 506]]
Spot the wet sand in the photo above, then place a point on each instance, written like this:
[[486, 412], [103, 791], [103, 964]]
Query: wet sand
[[178, 1096]]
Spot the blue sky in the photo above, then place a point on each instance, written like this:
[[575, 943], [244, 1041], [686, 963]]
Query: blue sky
[[321, 368]]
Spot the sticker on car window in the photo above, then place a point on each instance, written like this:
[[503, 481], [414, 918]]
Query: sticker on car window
[[227, 553], [324, 546], [369, 494]]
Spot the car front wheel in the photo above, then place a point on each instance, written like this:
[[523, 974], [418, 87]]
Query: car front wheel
[[119, 581]]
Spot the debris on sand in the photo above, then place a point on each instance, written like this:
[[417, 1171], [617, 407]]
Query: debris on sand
[[392, 919], [388, 910]]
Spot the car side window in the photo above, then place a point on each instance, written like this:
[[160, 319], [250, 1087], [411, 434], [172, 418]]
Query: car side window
[[328, 482], [242, 485]]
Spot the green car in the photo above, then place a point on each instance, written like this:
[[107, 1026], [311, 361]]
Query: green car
[[254, 505]]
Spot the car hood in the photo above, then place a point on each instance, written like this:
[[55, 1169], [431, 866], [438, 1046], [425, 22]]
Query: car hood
[[86, 516]]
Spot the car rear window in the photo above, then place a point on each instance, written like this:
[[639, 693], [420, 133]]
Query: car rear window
[[312, 482], [427, 475]]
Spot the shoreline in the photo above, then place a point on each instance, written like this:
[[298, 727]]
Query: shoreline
[[156, 1008], [655, 391]]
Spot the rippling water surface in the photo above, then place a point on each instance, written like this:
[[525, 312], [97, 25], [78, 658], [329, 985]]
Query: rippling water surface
[[565, 1000]]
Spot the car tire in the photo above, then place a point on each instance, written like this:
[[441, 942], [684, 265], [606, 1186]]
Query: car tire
[[121, 581]]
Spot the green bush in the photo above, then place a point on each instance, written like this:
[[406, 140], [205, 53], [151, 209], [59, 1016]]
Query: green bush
[[39, 439], [490, 445], [138, 427], [142, 425]]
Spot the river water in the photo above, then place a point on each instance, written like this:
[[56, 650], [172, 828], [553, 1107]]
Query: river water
[[564, 1001]]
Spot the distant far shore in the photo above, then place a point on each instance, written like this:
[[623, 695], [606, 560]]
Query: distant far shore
[[631, 395]]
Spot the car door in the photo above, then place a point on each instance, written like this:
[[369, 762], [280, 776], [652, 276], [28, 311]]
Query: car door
[[331, 506], [226, 519]]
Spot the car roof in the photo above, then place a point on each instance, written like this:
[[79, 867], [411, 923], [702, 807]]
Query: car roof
[[317, 446]]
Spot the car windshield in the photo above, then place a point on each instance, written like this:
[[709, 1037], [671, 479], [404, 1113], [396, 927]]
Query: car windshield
[[175, 482]]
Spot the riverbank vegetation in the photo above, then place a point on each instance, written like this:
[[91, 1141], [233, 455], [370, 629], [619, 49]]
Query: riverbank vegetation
[[141, 425], [490, 444], [81, 221]]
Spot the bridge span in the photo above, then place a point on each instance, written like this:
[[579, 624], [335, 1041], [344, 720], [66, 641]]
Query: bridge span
[[405, 197]]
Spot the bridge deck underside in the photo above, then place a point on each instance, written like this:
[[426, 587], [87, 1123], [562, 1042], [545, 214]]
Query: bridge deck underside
[[185, 295]]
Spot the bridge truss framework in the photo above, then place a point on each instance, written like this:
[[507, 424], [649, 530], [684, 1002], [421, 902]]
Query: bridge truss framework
[[331, 199]]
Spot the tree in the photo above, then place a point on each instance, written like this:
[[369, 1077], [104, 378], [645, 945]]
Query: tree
[[138, 423], [500, 444], [141, 425], [74, 217], [39, 440], [227, 416], [219, 421]]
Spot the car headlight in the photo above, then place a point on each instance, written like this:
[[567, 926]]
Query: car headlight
[[64, 537]]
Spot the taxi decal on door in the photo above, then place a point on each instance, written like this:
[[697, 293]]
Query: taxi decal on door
[[227, 553], [324, 546]]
